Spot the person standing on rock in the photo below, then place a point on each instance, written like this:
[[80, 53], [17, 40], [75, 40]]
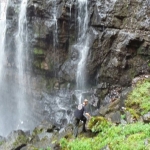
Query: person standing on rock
[[79, 115]]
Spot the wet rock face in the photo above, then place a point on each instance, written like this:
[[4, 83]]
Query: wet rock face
[[119, 51], [119, 46], [119, 39], [52, 28], [121, 14]]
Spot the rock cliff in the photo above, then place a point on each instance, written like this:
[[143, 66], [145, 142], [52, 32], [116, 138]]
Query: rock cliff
[[119, 47]]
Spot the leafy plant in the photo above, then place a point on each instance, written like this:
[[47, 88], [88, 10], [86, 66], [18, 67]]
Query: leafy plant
[[123, 116], [63, 142], [139, 98], [97, 124]]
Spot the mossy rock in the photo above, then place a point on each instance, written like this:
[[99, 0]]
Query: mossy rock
[[37, 63], [50, 83], [38, 51], [22, 139]]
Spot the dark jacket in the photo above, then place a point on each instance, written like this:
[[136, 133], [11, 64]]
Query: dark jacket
[[79, 111]]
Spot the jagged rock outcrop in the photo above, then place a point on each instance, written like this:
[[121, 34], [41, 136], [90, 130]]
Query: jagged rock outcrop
[[119, 39], [46, 135], [119, 50]]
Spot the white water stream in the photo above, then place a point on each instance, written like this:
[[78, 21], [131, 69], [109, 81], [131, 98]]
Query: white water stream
[[82, 45], [3, 11], [21, 57], [21, 40], [15, 110]]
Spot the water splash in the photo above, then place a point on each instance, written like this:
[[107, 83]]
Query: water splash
[[59, 107]]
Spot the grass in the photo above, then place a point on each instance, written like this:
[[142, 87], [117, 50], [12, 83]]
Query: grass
[[135, 136], [121, 137], [139, 98]]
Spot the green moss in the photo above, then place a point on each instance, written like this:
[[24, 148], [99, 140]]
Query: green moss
[[38, 51], [1, 143], [139, 98], [50, 83], [37, 63], [22, 139], [135, 113]]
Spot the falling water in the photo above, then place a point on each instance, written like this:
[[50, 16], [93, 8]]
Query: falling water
[[70, 6], [55, 30], [21, 40], [15, 99], [81, 45], [55, 24], [21, 56], [3, 9]]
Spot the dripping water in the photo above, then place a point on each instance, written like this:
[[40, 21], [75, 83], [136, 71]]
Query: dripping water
[[55, 34]]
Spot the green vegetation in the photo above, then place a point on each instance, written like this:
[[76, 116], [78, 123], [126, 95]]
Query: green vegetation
[[20, 139], [37, 63], [34, 148], [135, 136], [38, 51], [121, 137], [48, 148], [97, 124], [1, 142], [138, 101]]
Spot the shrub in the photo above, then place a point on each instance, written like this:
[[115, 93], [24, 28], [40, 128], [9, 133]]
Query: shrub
[[97, 124], [139, 98]]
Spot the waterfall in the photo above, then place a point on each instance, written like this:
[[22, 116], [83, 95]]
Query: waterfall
[[55, 34], [16, 109], [55, 24], [82, 47], [3, 11], [82, 43], [21, 60], [21, 40]]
